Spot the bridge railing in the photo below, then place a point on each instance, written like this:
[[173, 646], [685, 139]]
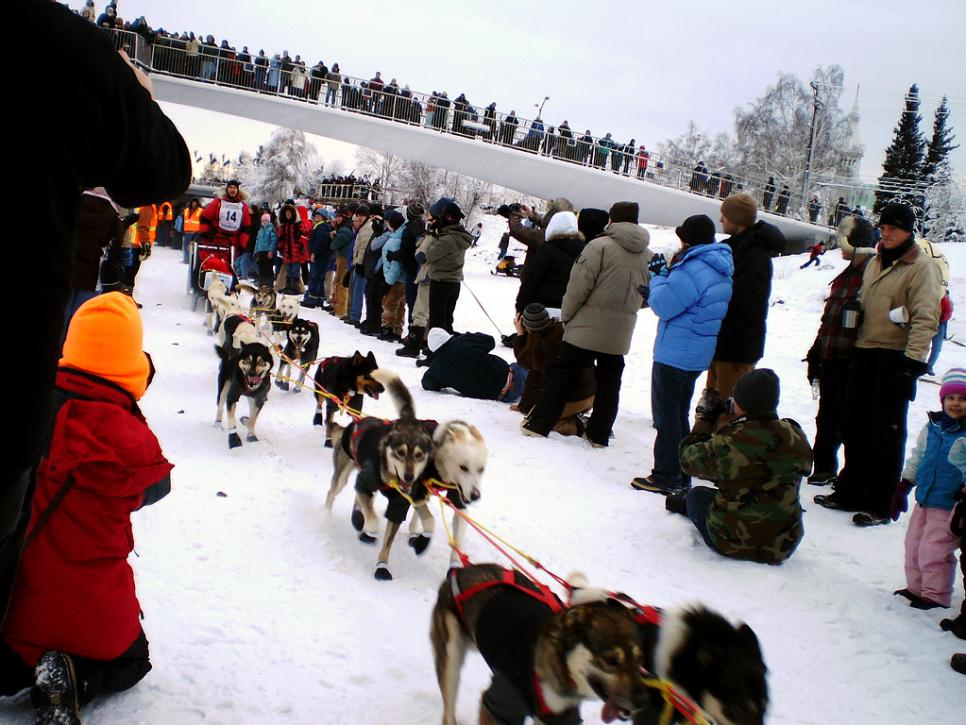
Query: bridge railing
[[444, 115]]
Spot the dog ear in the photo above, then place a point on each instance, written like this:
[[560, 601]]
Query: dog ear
[[747, 635], [371, 358], [357, 357]]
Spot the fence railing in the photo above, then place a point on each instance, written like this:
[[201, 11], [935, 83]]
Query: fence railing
[[263, 75]]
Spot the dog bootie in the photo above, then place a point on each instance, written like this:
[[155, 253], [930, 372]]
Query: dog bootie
[[419, 542], [958, 663], [957, 626], [55, 690], [357, 518]]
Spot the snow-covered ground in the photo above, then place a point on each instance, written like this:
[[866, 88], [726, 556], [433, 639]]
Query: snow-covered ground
[[261, 608]]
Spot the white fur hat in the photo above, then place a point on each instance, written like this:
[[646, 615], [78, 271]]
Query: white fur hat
[[563, 222], [436, 338]]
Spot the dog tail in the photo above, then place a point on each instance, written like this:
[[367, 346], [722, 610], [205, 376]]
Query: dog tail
[[398, 390], [221, 352]]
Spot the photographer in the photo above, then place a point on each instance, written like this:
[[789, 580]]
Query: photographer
[[756, 462]]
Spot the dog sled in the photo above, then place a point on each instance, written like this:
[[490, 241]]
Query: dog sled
[[207, 262], [508, 266]]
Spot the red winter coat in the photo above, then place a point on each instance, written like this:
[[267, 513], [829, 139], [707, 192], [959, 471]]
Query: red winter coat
[[75, 589], [226, 227], [293, 244]]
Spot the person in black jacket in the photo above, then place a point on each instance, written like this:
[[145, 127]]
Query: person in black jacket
[[117, 137], [464, 363], [741, 341], [549, 270], [320, 253]]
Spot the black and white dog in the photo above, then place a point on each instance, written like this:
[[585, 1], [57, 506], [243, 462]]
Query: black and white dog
[[301, 347], [245, 373]]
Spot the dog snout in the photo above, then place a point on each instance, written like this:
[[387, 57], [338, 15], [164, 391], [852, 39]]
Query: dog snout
[[475, 496]]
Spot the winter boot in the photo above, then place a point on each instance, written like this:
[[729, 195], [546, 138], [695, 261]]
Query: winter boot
[[957, 626], [676, 503], [958, 662], [55, 694], [412, 348], [386, 334]]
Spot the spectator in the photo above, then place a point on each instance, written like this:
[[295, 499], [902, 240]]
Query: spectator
[[464, 363], [548, 270], [535, 346], [107, 19], [899, 283], [292, 247], [375, 281], [362, 223], [599, 313], [191, 218], [395, 277], [527, 227], [265, 245], [508, 129], [73, 631], [642, 158], [741, 341], [416, 235], [756, 463], [781, 207], [957, 625], [476, 234], [814, 255], [445, 251], [769, 194], [690, 298], [841, 211], [88, 12], [341, 245], [946, 304], [592, 223], [332, 79], [320, 253], [936, 469], [814, 209], [830, 357], [96, 226]]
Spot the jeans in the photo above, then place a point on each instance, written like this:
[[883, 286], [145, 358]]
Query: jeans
[[316, 286], [357, 293], [186, 241], [671, 391], [937, 346], [246, 266], [696, 505]]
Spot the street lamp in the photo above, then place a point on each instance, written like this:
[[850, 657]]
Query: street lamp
[[539, 106]]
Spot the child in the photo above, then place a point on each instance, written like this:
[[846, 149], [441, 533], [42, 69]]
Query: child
[[936, 469], [73, 630]]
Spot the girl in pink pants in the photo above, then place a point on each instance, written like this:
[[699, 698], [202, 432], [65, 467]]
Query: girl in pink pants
[[936, 469]]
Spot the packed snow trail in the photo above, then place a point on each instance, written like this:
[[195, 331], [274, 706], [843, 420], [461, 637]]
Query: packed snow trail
[[261, 608]]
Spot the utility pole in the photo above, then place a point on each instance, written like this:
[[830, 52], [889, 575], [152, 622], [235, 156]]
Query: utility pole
[[811, 144]]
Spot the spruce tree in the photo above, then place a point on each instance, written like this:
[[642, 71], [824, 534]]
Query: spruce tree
[[904, 159], [941, 143]]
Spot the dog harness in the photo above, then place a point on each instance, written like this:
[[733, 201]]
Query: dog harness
[[349, 394], [519, 582]]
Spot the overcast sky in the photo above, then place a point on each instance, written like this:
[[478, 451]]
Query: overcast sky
[[638, 69]]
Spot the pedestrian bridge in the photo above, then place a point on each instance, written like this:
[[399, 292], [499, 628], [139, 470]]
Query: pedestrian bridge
[[663, 196]]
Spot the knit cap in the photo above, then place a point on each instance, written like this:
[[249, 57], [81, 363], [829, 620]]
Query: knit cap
[[953, 383], [741, 209], [415, 211], [561, 223], [624, 211], [757, 391], [105, 339], [898, 215], [395, 219], [535, 317], [266, 217], [697, 229]]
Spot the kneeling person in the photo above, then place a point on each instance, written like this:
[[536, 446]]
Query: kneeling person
[[464, 363], [756, 462]]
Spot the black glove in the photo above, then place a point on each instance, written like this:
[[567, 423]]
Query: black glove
[[814, 367], [957, 524], [710, 406], [657, 265], [145, 252], [908, 376], [645, 292], [900, 499], [378, 227]]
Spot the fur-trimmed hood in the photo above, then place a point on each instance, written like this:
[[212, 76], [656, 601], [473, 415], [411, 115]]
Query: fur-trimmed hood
[[242, 195]]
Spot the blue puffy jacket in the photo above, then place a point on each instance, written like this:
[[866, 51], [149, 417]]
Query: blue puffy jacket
[[937, 464], [267, 239], [393, 270], [691, 301]]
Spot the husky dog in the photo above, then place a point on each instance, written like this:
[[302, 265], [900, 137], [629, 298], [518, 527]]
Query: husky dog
[[301, 347], [248, 373], [264, 300], [347, 378], [546, 659], [715, 664], [384, 452], [459, 458], [219, 304], [235, 331], [284, 316]]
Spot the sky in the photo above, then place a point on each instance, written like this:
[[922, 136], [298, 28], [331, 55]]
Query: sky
[[639, 69]]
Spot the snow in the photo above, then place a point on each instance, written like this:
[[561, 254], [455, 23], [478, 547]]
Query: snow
[[261, 608]]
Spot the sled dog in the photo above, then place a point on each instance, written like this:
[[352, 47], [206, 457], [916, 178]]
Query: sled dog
[[301, 347], [245, 373]]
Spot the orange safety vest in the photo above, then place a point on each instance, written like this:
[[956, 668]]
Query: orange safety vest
[[166, 212], [147, 226], [192, 220]]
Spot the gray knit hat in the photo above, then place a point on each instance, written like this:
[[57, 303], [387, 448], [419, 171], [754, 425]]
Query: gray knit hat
[[757, 391], [535, 317]]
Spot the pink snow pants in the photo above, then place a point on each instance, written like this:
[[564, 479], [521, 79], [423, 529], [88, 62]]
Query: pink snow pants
[[930, 561]]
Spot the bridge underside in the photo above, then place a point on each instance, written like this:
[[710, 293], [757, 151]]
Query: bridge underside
[[539, 176]]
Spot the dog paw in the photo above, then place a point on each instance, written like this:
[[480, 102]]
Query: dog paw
[[319, 420], [281, 385], [382, 573], [216, 424], [366, 538], [251, 438], [357, 519], [419, 542], [296, 389], [234, 440], [328, 443]]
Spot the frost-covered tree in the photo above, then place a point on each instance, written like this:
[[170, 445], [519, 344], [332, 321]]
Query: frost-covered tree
[[284, 166], [687, 149], [379, 165], [941, 143], [903, 166], [772, 134], [945, 207], [244, 169], [420, 182]]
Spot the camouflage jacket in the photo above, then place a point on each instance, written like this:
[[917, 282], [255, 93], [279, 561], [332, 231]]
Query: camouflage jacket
[[757, 464]]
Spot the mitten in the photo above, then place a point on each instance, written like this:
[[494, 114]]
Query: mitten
[[710, 406], [908, 376], [900, 499], [658, 265]]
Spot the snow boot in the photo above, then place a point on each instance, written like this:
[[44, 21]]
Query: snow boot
[[866, 519], [415, 343], [957, 626], [958, 662], [676, 503], [822, 479], [55, 693]]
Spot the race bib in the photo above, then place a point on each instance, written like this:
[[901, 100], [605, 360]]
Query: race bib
[[230, 217]]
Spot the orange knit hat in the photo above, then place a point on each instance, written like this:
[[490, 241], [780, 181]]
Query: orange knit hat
[[104, 338]]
